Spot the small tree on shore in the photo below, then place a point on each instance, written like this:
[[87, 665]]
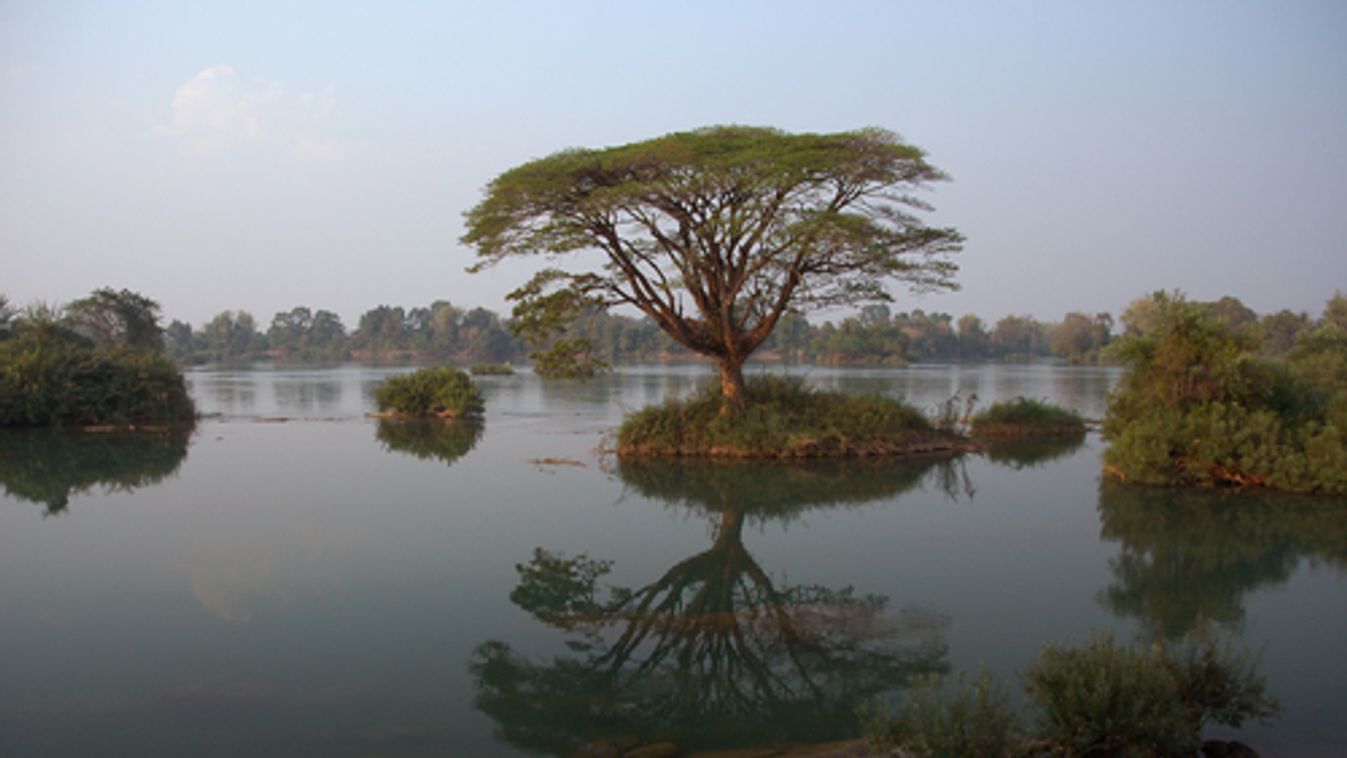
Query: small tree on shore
[[717, 233]]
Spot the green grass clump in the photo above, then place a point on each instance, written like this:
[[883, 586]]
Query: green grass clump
[[1024, 417], [491, 369], [51, 378], [444, 392], [783, 419]]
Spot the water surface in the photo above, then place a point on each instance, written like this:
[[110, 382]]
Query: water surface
[[295, 578]]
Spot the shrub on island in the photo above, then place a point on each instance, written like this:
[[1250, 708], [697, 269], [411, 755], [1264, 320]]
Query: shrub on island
[[1023, 417], [52, 377], [783, 419], [1199, 407], [443, 392]]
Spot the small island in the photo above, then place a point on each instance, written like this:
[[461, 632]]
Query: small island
[[442, 392]]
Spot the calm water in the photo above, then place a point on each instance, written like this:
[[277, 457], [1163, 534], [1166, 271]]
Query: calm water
[[294, 578]]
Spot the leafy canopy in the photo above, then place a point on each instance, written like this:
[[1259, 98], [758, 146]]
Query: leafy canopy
[[715, 233]]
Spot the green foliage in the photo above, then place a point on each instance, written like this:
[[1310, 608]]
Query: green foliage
[[947, 717], [742, 225], [1114, 699], [49, 466], [429, 439], [1024, 417], [567, 359], [784, 419], [1199, 407], [444, 391], [108, 316], [50, 378], [1102, 698]]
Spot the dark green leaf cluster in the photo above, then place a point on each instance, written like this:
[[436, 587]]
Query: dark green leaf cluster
[[784, 419], [48, 377], [1200, 407], [442, 392], [1026, 417]]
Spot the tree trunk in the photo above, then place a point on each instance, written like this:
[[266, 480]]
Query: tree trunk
[[733, 396]]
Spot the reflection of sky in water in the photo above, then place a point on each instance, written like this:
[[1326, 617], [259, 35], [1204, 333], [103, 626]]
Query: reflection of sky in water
[[303, 588]]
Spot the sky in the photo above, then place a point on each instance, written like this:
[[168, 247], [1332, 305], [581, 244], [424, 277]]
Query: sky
[[260, 156]]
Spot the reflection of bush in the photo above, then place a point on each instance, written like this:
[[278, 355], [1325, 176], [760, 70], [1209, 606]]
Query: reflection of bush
[[1192, 556], [1030, 453], [48, 466], [429, 440], [765, 489]]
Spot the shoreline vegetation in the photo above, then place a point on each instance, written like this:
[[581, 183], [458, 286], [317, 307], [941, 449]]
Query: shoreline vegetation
[[786, 420]]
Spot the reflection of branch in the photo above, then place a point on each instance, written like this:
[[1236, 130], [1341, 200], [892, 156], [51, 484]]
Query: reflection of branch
[[712, 649]]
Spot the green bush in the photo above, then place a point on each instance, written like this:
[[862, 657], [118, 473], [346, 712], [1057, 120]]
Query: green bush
[[1199, 407], [1106, 698], [443, 391], [947, 717], [49, 377], [783, 419], [1099, 699], [1023, 417]]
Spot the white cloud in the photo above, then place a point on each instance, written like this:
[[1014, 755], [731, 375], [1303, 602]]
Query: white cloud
[[212, 111]]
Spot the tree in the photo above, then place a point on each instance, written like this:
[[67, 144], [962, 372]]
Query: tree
[[715, 234], [107, 316]]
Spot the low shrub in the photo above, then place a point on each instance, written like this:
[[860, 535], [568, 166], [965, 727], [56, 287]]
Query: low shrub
[[1099, 699], [444, 391], [52, 378], [1114, 699], [783, 419], [1024, 417]]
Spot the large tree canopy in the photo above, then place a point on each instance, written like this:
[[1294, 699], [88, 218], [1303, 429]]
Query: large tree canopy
[[716, 233]]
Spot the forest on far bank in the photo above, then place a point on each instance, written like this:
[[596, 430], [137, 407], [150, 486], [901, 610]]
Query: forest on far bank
[[876, 335]]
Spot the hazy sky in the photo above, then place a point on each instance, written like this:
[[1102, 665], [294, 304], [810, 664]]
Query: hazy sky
[[264, 155]]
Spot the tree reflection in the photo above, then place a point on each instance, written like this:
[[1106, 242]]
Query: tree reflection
[[1190, 557], [715, 652], [48, 466], [431, 439]]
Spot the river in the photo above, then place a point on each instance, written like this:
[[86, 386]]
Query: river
[[295, 578]]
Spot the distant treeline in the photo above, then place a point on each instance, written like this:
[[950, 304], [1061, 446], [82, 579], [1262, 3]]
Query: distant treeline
[[875, 336]]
